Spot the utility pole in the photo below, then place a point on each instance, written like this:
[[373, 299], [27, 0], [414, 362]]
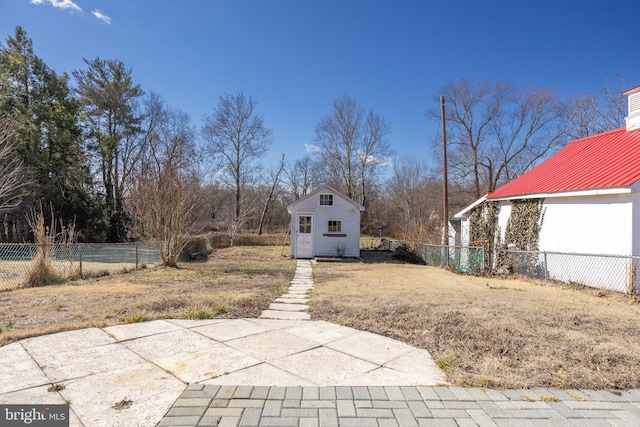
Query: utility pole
[[445, 184]]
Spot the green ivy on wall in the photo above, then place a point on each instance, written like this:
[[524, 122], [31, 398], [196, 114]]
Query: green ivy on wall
[[524, 224], [521, 233], [483, 229]]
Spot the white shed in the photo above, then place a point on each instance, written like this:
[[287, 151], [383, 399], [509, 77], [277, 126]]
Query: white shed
[[590, 193], [325, 223]]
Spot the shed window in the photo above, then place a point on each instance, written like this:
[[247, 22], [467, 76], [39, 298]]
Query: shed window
[[334, 226], [326, 200]]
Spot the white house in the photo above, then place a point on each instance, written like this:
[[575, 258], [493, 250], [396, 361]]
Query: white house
[[590, 193], [325, 223]]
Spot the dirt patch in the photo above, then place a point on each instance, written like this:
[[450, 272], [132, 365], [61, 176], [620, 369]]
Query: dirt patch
[[485, 331], [236, 282]]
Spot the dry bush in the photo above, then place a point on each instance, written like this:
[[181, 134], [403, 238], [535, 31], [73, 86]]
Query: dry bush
[[44, 270]]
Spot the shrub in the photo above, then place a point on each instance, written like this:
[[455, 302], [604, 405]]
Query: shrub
[[404, 253]]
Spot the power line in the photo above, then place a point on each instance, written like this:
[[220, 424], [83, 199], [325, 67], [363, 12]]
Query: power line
[[506, 30]]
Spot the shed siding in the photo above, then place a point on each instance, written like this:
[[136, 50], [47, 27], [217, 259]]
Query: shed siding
[[342, 210]]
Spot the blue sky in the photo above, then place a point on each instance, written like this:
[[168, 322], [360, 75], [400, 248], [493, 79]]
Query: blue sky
[[296, 56]]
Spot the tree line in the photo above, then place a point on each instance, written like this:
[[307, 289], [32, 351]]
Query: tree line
[[119, 163]]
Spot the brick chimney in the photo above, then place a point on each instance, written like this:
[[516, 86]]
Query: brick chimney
[[633, 101]]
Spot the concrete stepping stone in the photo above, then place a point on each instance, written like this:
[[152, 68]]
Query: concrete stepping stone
[[288, 306], [292, 304], [285, 315], [293, 296], [292, 300]]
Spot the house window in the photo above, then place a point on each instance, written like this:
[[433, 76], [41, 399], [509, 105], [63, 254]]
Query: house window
[[334, 226], [326, 200]]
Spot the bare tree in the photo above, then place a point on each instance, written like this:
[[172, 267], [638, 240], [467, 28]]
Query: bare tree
[[411, 189], [496, 132], [353, 146], [583, 119], [215, 198], [12, 174], [302, 176], [240, 219], [589, 114], [166, 196], [612, 107], [274, 191], [237, 137]]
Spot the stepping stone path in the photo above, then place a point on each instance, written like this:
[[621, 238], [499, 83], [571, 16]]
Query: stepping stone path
[[293, 304]]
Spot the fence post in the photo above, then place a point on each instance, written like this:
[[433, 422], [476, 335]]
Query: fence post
[[80, 260], [546, 270], [136, 256]]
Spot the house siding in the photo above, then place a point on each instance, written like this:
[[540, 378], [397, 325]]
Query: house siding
[[591, 224], [635, 222], [597, 224], [594, 224]]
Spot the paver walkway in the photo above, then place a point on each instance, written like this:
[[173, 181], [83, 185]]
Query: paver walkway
[[247, 406], [292, 305]]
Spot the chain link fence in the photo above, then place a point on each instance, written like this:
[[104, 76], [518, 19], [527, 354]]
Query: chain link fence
[[612, 272], [463, 259], [19, 261], [617, 273], [368, 243]]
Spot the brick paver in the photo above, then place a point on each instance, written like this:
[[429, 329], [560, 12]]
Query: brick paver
[[398, 406]]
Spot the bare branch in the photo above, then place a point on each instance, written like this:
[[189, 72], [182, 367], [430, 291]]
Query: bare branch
[[497, 132], [12, 173], [353, 146], [237, 136]]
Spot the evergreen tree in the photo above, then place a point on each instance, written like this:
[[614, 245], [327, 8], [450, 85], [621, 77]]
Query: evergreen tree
[[108, 97], [48, 139]]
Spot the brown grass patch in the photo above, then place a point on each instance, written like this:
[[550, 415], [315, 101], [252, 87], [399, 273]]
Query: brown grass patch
[[486, 331], [236, 282]]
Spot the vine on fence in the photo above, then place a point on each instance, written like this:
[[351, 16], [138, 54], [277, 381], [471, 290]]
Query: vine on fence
[[483, 229], [522, 233]]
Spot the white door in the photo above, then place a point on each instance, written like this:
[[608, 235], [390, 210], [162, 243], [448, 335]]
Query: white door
[[304, 237]]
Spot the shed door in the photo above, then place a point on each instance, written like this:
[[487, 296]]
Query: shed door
[[304, 237]]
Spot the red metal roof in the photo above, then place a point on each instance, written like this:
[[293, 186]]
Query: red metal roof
[[606, 160]]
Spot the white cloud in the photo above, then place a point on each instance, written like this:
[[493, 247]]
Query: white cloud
[[312, 148], [101, 16], [60, 4], [385, 162]]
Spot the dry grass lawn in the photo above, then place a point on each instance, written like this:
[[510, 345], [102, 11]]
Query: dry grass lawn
[[482, 331], [486, 331], [236, 282]]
